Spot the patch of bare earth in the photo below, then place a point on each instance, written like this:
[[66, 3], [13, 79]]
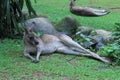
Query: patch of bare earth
[[3, 74], [64, 78], [53, 76], [41, 75], [73, 61], [23, 78]]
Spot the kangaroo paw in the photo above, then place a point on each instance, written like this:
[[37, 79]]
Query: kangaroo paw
[[35, 61], [106, 60]]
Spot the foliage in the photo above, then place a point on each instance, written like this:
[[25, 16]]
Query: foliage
[[113, 50], [116, 34], [116, 46], [80, 38], [85, 41], [10, 15]]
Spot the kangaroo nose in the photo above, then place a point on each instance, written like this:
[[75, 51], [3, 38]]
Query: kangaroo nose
[[36, 43]]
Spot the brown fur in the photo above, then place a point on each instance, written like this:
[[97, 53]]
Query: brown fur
[[86, 11]]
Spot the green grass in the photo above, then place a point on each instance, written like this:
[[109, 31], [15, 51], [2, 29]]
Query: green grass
[[56, 10], [14, 66]]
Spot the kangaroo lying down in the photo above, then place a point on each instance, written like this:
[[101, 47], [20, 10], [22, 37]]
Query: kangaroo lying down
[[48, 44]]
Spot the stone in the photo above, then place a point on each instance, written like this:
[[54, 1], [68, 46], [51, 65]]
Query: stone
[[67, 25], [106, 35], [85, 30], [95, 42]]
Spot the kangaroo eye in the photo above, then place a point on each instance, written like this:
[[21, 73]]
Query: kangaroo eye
[[31, 38]]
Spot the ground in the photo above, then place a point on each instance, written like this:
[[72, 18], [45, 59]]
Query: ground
[[14, 66]]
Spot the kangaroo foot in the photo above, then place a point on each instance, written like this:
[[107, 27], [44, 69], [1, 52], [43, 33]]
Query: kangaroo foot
[[35, 61]]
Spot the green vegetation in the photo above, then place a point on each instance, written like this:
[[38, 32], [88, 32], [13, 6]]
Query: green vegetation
[[10, 15], [113, 50], [14, 66], [57, 10]]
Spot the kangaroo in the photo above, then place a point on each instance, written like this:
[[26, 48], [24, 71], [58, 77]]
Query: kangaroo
[[48, 44]]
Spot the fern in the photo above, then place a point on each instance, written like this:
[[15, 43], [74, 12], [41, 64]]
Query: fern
[[10, 15]]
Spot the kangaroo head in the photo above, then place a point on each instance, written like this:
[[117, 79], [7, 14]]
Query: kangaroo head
[[30, 36], [72, 3]]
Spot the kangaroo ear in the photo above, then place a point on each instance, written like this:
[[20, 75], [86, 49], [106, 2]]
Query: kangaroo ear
[[26, 30], [32, 26]]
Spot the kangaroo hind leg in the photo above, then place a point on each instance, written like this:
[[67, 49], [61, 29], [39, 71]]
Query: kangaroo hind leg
[[67, 50], [69, 42], [78, 48]]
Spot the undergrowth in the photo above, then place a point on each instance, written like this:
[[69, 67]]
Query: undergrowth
[[113, 50]]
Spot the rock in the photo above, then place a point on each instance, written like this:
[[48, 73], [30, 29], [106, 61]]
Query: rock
[[25, 14], [67, 25], [85, 30], [95, 42], [106, 35], [42, 25]]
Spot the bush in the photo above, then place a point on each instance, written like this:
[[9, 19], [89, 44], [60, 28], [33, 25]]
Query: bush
[[10, 15], [116, 46], [113, 50]]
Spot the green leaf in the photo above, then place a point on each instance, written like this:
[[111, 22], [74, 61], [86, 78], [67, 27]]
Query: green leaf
[[21, 3], [30, 8], [8, 12], [37, 34]]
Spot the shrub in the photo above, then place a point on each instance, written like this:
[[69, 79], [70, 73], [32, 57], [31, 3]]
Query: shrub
[[10, 15], [113, 50], [116, 45]]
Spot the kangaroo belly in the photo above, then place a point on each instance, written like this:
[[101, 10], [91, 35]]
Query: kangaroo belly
[[31, 49], [52, 47]]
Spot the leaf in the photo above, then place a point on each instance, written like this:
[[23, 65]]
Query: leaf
[[30, 8], [37, 34], [35, 1], [21, 3], [11, 13], [8, 12]]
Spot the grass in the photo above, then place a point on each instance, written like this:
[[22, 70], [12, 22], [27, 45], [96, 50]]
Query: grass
[[56, 10], [14, 66]]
